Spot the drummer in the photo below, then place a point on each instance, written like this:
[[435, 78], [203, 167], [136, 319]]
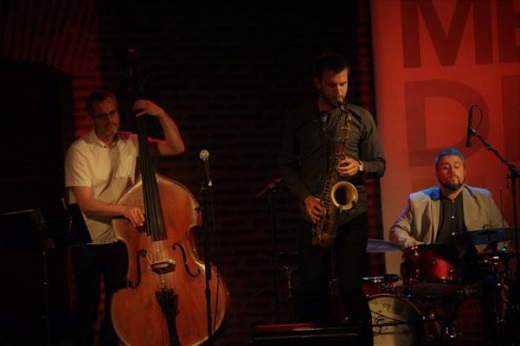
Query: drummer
[[435, 214], [452, 207]]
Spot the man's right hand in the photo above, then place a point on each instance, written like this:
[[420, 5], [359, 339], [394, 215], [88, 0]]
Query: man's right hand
[[314, 209], [135, 215]]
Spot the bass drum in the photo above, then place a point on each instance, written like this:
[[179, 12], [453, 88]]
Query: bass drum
[[400, 322]]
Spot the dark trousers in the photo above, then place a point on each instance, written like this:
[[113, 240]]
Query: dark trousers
[[94, 264], [346, 262]]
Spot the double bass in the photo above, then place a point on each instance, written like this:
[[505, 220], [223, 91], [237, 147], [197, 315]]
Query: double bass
[[168, 299]]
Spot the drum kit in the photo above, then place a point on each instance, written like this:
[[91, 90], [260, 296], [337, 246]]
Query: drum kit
[[420, 306]]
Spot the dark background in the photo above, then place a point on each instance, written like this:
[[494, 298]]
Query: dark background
[[227, 72]]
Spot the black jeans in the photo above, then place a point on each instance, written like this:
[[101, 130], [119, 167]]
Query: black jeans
[[94, 264], [347, 262]]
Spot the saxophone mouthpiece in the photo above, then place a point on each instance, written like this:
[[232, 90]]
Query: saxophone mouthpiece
[[340, 103]]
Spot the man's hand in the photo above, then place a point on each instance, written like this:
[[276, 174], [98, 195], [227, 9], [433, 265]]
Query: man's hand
[[135, 215], [314, 208], [348, 167], [142, 107]]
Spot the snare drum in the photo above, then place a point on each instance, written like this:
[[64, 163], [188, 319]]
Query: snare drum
[[431, 269], [379, 284], [401, 322]]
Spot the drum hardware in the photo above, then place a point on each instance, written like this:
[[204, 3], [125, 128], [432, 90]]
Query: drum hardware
[[490, 282], [287, 265], [514, 173], [451, 331], [481, 237], [287, 271], [431, 270], [379, 284], [500, 278], [372, 285]]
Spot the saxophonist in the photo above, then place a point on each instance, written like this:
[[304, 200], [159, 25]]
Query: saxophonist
[[309, 145]]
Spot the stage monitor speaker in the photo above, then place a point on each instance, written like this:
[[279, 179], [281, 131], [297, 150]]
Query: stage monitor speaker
[[304, 335], [32, 150]]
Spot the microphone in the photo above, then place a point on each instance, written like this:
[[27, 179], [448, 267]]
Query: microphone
[[469, 130], [204, 156]]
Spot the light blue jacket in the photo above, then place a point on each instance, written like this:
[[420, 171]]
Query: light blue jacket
[[420, 219]]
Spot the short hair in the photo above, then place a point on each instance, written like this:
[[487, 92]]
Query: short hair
[[448, 152], [97, 96], [329, 61]]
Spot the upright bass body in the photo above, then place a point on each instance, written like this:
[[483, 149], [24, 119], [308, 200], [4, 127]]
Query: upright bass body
[[165, 301]]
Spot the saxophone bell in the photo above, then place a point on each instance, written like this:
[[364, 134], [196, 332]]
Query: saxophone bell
[[344, 195]]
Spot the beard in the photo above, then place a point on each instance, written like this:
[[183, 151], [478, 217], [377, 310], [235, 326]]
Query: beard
[[452, 185]]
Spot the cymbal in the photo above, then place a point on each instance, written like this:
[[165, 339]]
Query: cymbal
[[379, 245], [480, 237]]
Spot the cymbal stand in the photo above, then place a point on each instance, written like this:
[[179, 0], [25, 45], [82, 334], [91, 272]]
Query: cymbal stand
[[497, 300], [444, 310], [494, 280], [514, 173]]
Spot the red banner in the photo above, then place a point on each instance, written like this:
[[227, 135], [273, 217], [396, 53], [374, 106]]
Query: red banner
[[437, 61]]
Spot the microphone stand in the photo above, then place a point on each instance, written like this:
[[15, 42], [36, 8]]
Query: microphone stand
[[39, 221], [270, 189], [205, 192], [514, 173]]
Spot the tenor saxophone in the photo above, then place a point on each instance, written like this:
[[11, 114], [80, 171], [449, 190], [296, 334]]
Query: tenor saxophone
[[337, 196]]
